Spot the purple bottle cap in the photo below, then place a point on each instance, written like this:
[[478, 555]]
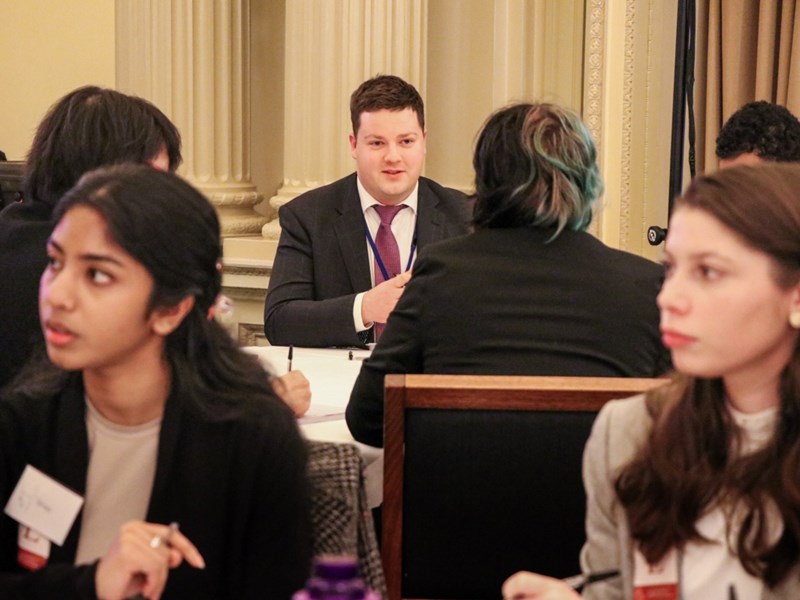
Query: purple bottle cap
[[336, 578], [336, 568]]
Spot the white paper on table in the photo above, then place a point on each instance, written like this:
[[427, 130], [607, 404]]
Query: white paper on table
[[330, 372]]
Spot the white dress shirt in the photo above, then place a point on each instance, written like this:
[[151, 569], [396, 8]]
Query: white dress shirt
[[403, 227]]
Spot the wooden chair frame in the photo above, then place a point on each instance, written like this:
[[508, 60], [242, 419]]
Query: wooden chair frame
[[11, 176], [474, 392]]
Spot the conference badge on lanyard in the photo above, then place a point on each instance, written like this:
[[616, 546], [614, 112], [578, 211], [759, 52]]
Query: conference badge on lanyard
[[655, 582]]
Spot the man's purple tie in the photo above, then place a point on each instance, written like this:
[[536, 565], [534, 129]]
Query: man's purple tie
[[387, 248]]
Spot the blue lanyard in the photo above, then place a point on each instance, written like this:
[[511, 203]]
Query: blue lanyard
[[378, 254]]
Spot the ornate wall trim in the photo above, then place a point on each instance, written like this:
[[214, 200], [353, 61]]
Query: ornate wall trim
[[251, 334], [594, 67], [244, 293], [629, 47], [627, 124], [248, 271]]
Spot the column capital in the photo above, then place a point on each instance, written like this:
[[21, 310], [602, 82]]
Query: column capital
[[193, 60]]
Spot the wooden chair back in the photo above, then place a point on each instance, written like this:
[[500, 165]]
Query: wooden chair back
[[482, 478]]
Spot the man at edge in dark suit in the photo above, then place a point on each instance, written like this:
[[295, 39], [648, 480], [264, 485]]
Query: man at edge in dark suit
[[327, 286]]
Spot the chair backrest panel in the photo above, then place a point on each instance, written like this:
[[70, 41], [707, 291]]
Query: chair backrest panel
[[11, 176], [483, 478]]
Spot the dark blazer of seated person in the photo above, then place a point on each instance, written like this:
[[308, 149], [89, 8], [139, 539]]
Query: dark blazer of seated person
[[24, 229], [322, 260], [517, 297]]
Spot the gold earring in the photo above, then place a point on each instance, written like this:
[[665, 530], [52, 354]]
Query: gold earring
[[794, 319]]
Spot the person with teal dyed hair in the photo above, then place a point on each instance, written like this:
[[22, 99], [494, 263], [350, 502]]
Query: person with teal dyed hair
[[529, 292], [535, 166]]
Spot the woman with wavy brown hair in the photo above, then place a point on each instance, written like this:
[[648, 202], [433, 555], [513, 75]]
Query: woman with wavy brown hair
[[694, 489]]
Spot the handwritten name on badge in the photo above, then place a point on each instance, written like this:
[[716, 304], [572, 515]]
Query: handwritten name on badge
[[43, 504]]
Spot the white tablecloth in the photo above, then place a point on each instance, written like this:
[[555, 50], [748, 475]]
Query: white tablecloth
[[331, 373]]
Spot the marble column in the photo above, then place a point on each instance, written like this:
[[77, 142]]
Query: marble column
[[192, 59], [331, 47]]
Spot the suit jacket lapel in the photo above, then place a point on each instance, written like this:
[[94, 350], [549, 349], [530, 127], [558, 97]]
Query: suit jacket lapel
[[349, 228], [429, 217]]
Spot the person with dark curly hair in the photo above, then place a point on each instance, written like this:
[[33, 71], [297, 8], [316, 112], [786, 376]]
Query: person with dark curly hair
[[759, 131]]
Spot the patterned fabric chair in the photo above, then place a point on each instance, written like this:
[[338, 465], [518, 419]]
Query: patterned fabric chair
[[341, 518]]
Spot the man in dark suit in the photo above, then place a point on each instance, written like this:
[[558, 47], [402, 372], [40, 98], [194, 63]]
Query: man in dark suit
[[333, 278], [530, 292]]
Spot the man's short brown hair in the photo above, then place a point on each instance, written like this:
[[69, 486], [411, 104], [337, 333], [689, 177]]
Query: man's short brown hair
[[385, 92]]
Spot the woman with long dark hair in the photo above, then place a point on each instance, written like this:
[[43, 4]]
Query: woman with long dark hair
[[694, 489], [147, 409]]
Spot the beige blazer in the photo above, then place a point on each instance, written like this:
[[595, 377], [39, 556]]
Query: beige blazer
[[619, 432]]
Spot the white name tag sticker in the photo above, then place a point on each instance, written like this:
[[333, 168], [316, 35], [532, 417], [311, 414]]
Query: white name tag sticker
[[44, 505]]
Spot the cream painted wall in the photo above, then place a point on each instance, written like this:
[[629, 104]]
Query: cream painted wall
[[459, 86], [47, 48], [483, 55]]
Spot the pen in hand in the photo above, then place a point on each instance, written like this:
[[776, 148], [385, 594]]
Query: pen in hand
[[576, 582], [156, 543], [164, 540], [173, 527], [291, 351]]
